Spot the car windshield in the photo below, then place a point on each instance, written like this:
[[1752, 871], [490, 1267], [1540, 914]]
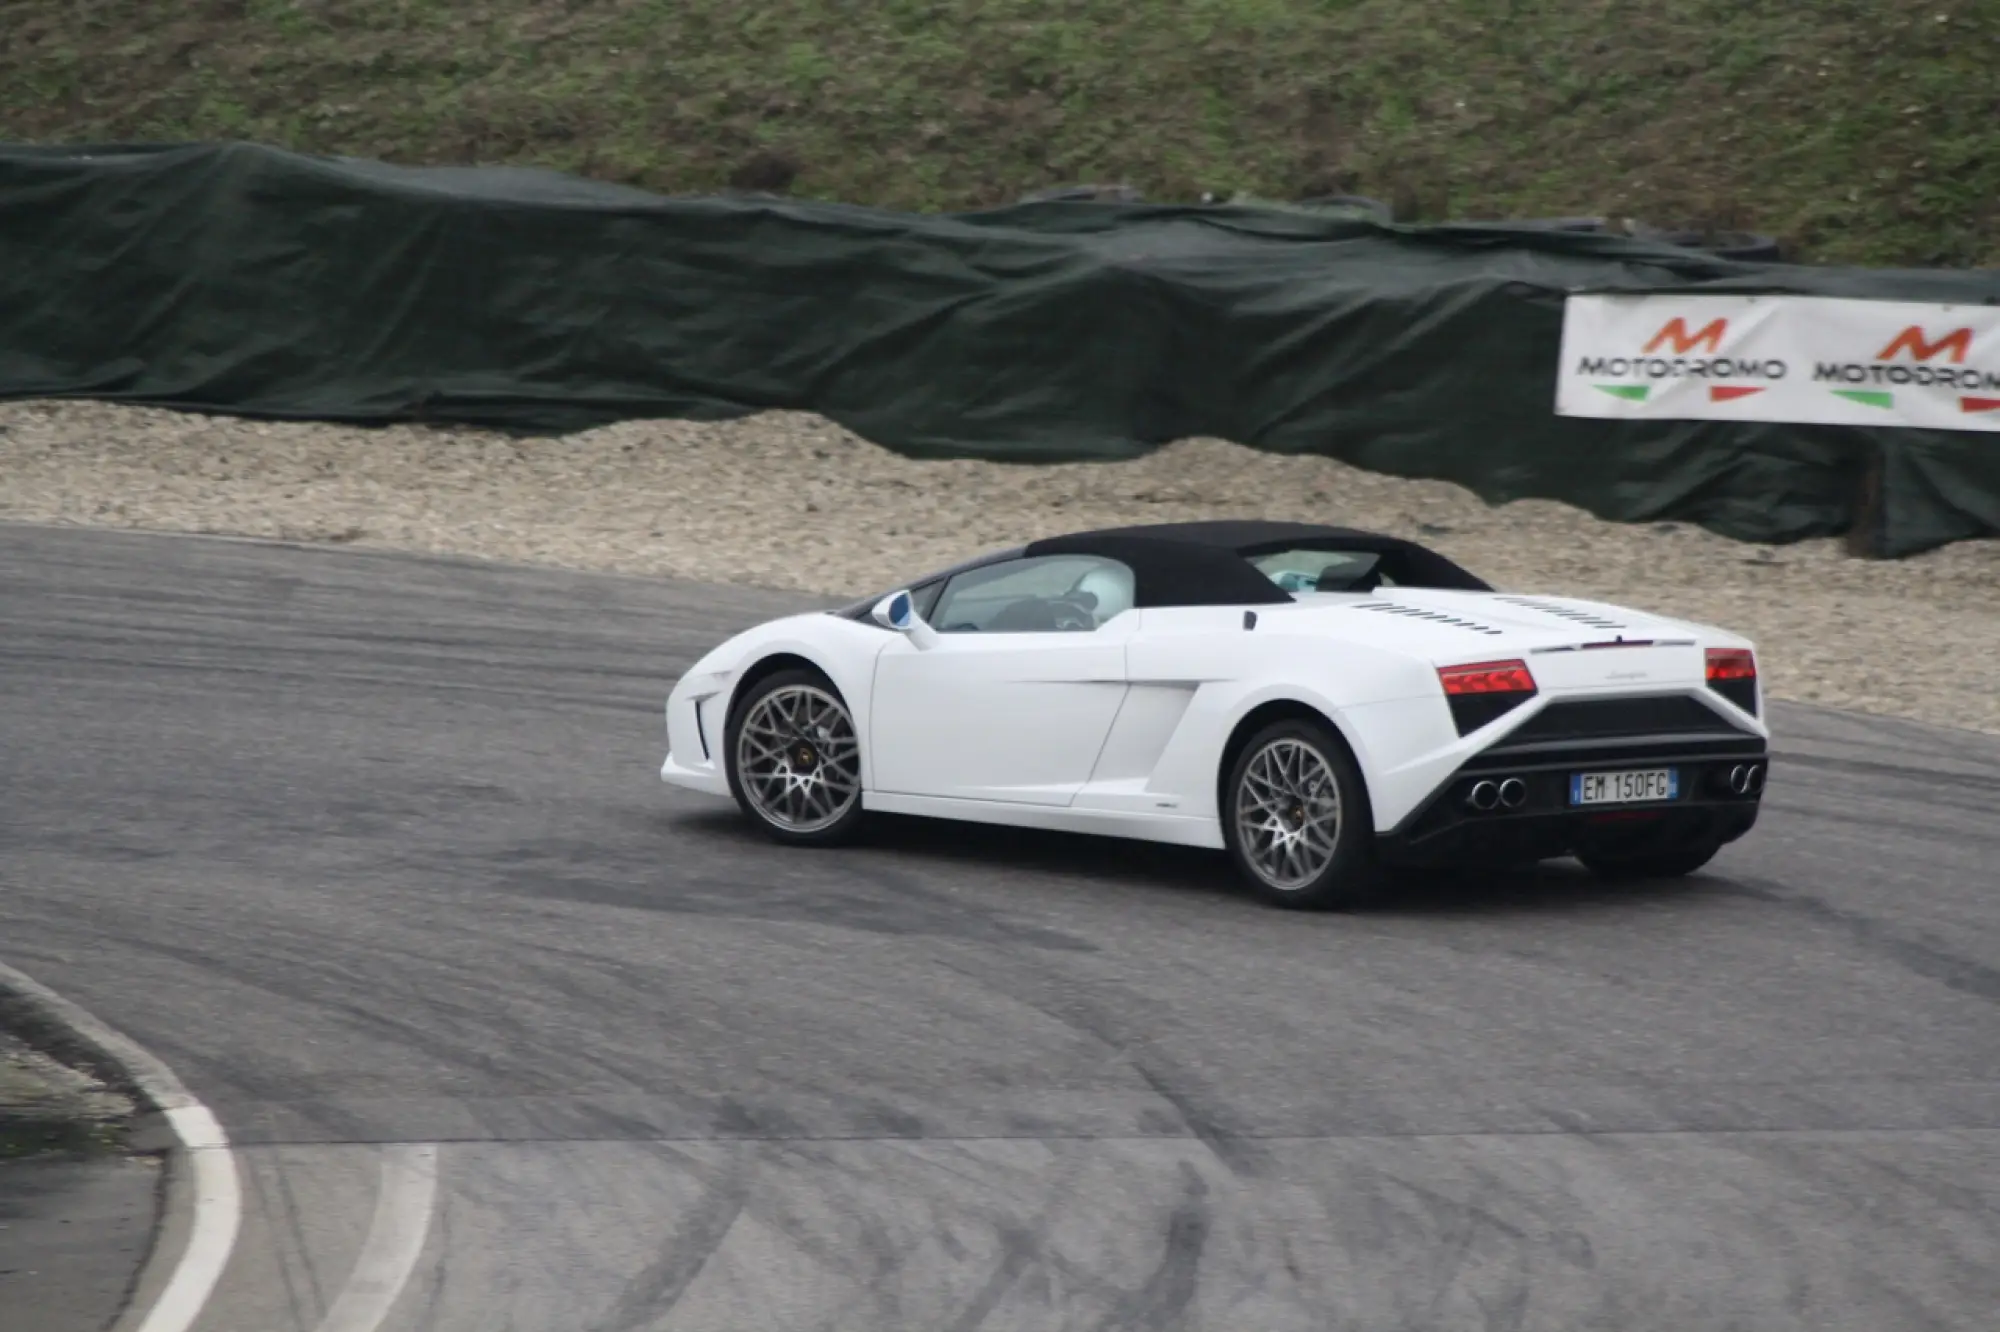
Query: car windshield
[[1308, 570]]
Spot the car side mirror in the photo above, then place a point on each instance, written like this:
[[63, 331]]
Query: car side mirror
[[898, 611]]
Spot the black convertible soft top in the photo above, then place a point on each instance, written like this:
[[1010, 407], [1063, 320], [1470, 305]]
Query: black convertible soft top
[[1207, 563]]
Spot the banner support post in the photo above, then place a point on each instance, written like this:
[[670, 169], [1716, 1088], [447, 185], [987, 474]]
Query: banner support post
[[1868, 517]]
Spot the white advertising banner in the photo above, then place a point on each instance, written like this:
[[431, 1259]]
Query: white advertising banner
[[1780, 358]]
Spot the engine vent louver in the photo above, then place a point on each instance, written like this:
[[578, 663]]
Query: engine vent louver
[[1588, 618], [1436, 617]]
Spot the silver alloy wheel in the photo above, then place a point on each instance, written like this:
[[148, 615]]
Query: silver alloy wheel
[[1288, 813], [797, 758]]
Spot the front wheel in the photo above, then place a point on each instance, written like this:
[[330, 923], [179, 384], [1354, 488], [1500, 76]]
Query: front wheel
[[1296, 820], [794, 759]]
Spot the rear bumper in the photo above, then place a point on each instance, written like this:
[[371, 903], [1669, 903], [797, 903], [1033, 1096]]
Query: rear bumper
[[1448, 830]]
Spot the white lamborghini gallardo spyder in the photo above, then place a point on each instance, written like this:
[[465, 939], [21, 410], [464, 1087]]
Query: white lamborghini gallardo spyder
[[1324, 704]]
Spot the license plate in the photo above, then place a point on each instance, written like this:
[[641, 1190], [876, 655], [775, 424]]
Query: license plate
[[1624, 788]]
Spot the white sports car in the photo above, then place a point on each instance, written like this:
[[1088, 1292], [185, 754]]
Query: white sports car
[[1324, 704]]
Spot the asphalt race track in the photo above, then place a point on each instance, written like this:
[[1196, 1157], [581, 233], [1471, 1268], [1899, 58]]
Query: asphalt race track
[[373, 852]]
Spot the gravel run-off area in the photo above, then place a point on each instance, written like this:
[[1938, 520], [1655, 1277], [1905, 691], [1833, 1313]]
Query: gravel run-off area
[[791, 501], [47, 1106]]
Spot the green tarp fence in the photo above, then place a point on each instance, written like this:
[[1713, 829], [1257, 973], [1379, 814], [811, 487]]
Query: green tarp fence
[[244, 280]]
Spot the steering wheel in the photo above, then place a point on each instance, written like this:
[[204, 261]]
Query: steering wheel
[[1073, 612], [1076, 609]]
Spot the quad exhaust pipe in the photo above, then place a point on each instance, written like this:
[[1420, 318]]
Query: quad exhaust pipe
[[1486, 796], [1746, 778], [1489, 794]]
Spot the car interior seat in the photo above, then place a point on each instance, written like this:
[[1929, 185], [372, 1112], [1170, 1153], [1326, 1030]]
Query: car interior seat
[[1112, 589], [1341, 578]]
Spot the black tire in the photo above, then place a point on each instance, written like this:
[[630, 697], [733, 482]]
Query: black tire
[[806, 688], [1350, 877], [1672, 863]]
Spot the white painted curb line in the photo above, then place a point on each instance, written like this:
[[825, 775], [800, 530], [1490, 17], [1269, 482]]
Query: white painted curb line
[[217, 1200]]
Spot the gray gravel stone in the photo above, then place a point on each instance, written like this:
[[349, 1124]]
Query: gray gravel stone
[[792, 501]]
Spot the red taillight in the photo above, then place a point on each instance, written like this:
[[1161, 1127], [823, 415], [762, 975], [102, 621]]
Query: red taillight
[[1488, 677], [1731, 664]]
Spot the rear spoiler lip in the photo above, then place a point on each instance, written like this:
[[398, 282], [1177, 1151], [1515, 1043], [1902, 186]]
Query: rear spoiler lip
[[1617, 643]]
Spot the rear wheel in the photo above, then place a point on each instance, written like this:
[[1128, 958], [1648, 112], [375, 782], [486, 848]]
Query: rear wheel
[[1671, 863], [1296, 820], [794, 759]]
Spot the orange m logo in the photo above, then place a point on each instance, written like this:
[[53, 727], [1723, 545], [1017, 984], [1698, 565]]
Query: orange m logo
[[1676, 332], [1958, 342]]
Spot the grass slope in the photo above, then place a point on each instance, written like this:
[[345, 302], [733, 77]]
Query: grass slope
[[1856, 130]]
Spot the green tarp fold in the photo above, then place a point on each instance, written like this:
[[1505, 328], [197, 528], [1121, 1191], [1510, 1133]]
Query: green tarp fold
[[245, 280]]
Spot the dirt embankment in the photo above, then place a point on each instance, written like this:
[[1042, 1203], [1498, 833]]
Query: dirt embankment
[[794, 502]]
